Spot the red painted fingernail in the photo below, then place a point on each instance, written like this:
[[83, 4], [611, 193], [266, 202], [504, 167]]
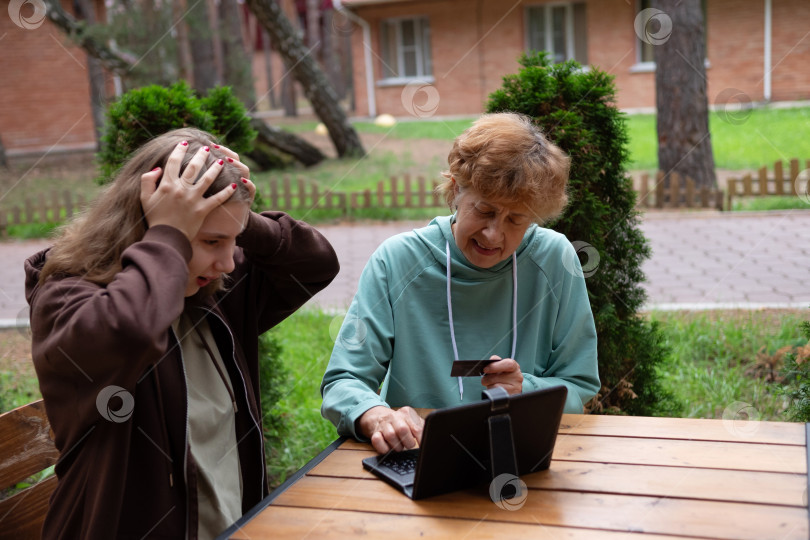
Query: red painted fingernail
[[230, 160], [156, 169], [219, 161], [184, 143], [244, 180], [216, 146], [233, 186], [206, 149]]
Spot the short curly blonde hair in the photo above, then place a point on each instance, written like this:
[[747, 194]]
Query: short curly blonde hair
[[505, 157]]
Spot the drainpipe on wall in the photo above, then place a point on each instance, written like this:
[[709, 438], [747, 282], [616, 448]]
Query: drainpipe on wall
[[766, 79], [372, 98]]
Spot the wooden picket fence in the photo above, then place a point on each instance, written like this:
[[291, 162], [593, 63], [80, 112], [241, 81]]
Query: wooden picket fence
[[765, 185], [51, 208], [681, 193], [402, 192], [406, 192]]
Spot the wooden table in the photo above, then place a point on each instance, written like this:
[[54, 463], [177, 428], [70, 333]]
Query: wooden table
[[610, 477]]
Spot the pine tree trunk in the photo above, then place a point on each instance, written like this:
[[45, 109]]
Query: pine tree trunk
[[202, 47], [684, 143], [289, 98], [314, 27], [3, 159], [331, 60], [95, 73], [237, 62], [285, 142], [306, 71], [268, 68], [184, 58]]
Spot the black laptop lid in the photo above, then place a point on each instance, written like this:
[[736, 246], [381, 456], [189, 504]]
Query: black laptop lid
[[455, 451]]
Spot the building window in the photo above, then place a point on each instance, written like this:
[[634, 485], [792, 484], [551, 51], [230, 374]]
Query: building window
[[559, 29], [406, 48], [645, 55]]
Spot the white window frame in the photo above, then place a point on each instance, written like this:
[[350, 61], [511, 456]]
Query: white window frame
[[570, 44], [424, 66]]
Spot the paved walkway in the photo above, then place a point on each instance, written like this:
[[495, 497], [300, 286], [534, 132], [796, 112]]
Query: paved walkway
[[699, 261]]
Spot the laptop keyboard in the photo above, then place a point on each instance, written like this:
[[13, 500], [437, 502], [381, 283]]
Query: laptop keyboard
[[401, 462]]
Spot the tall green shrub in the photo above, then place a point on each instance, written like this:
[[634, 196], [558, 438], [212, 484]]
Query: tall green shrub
[[144, 113], [796, 381], [273, 382], [576, 109]]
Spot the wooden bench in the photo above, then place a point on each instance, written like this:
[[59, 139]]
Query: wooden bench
[[26, 448]]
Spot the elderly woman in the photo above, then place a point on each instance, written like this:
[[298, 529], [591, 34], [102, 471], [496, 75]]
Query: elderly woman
[[484, 283]]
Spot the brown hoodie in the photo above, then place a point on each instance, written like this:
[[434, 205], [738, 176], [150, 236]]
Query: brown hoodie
[[125, 470]]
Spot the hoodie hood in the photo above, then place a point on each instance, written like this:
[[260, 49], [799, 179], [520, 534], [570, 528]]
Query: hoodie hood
[[33, 268], [438, 234]]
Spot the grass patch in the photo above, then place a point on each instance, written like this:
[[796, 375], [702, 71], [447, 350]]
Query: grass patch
[[355, 175], [748, 204], [27, 231], [445, 130], [17, 389], [306, 346], [757, 138], [715, 359]]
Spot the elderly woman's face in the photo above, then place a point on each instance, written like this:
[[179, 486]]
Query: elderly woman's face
[[488, 231]]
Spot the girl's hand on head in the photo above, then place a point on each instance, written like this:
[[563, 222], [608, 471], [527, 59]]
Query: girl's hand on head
[[177, 200], [504, 373], [233, 159]]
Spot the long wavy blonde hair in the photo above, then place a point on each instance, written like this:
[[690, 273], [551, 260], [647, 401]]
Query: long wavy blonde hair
[[91, 245]]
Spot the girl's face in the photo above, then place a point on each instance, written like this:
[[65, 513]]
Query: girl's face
[[213, 247], [488, 231]]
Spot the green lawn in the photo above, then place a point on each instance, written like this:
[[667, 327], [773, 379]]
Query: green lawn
[[757, 138], [761, 137]]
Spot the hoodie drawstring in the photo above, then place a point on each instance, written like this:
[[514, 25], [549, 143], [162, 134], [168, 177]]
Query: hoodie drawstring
[[163, 423], [450, 313]]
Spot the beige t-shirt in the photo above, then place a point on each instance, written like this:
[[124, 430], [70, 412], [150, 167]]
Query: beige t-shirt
[[211, 430]]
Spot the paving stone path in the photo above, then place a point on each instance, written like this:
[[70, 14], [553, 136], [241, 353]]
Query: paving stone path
[[699, 261]]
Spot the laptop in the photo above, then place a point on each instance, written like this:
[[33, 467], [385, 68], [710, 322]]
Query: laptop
[[455, 449]]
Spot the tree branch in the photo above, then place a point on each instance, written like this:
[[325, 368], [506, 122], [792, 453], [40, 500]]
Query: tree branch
[[76, 30]]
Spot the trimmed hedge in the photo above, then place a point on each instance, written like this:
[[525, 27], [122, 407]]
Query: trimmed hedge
[[576, 109]]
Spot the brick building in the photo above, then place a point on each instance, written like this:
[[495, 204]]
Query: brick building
[[461, 49], [44, 89]]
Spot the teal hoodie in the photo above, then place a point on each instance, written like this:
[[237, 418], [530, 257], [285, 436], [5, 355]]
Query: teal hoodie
[[397, 331]]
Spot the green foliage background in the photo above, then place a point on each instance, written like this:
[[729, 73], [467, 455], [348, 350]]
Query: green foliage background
[[576, 109], [144, 113]]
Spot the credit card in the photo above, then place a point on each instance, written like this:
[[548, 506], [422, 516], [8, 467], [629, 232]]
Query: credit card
[[469, 368]]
